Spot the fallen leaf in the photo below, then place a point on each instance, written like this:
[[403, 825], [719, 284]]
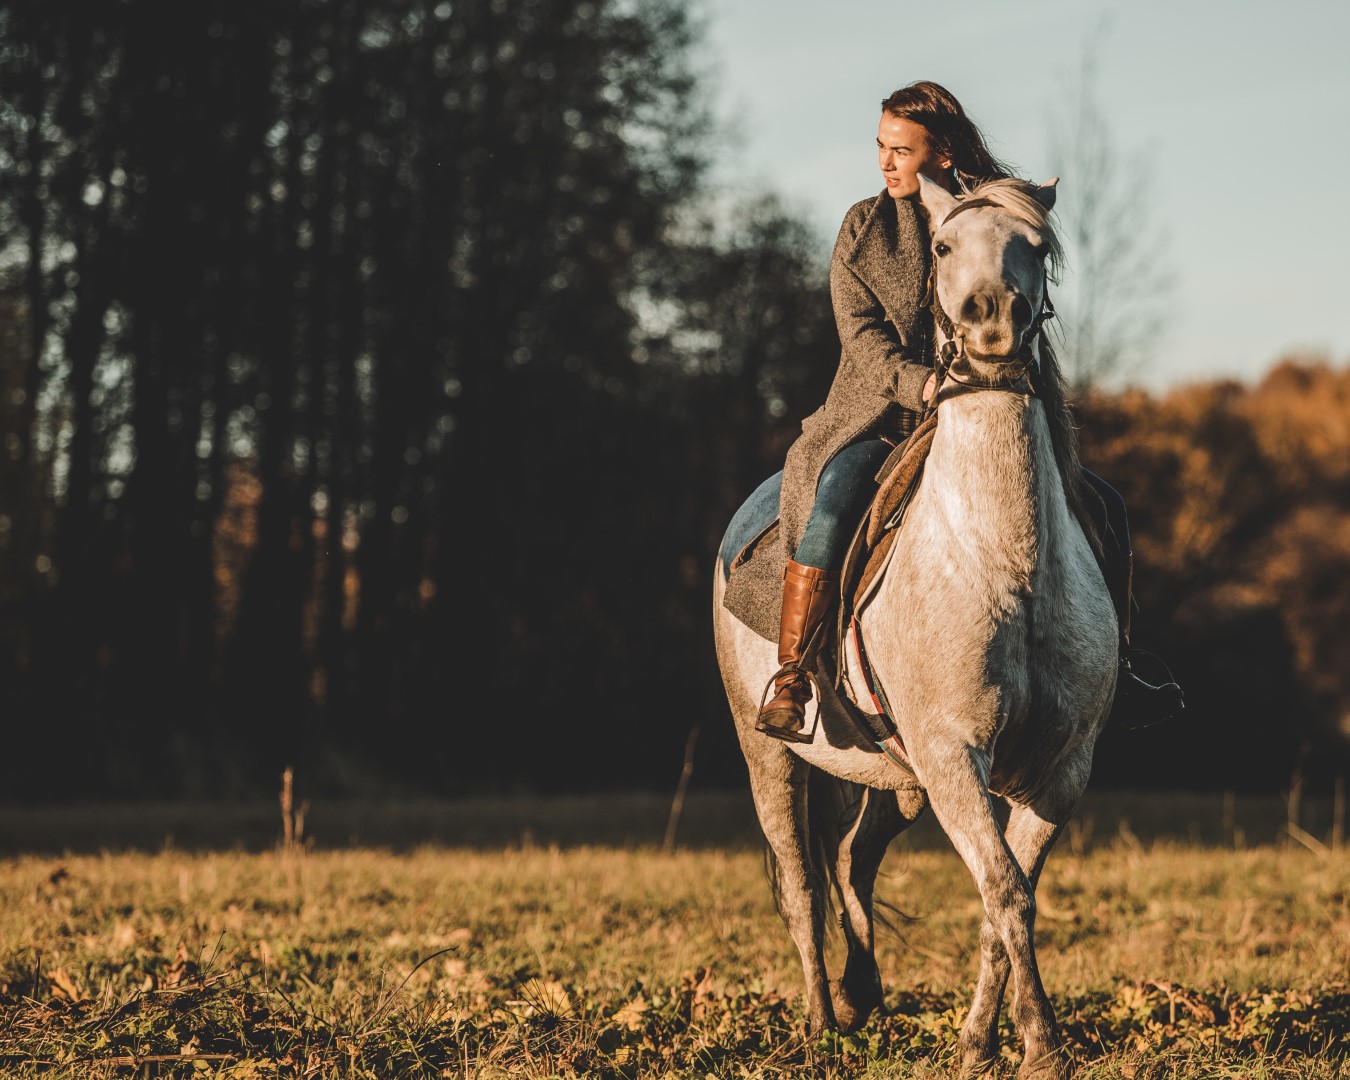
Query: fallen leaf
[[633, 1015]]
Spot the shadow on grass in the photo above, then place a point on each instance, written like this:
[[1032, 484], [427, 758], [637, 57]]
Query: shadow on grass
[[721, 820]]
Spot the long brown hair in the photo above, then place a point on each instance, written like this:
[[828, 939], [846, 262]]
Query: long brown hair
[[951, 133]]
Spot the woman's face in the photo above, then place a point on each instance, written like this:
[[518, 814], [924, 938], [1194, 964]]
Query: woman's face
[[903, 153]]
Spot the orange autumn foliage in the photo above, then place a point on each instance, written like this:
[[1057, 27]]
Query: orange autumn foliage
[[1240, 504]]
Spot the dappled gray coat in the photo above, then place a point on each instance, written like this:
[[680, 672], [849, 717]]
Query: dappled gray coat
[[878, 277]]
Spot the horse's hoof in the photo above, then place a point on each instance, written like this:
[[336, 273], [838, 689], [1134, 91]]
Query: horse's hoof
[[850, 1014], [1053, 1065], [977, 1063]]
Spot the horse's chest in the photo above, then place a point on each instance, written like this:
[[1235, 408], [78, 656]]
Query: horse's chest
[[958, 582], [966, 617]]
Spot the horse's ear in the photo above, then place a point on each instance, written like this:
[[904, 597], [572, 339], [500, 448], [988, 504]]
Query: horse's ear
[[1045, 194], [936, 199]]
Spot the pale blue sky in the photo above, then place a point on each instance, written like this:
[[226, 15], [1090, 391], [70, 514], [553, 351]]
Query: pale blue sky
[[1242, 108]]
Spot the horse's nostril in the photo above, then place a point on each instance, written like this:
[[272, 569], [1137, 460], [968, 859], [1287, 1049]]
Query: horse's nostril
[[977, 308], [1021, 311]]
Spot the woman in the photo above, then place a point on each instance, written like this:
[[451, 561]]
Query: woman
[[878, 279]]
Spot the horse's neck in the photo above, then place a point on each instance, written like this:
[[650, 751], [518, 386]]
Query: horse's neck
[[993, 487], [980, 532]]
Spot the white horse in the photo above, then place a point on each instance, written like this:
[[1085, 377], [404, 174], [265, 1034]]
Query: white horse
[[991, 634]]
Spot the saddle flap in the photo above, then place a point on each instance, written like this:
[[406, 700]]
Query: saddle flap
[[898, 477]]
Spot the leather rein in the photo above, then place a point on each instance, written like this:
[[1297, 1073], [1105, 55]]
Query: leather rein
[[951, 361]]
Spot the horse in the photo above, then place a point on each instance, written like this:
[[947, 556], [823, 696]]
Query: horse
[[990, 632]]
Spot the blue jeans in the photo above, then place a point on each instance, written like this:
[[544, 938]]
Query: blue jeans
[[845, 489]]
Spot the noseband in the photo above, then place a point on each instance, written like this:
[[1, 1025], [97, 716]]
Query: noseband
[[953, 363]]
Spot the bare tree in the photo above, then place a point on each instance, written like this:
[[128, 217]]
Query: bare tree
[[1114, 305]]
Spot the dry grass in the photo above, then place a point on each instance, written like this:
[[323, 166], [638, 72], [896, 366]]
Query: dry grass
[[1163, 960]]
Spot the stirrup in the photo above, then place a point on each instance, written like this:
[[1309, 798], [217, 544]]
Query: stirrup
[[787, 734], [1145, 705]]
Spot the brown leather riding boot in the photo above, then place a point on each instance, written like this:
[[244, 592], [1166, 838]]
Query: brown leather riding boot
[[808, 597], [1139, 703]]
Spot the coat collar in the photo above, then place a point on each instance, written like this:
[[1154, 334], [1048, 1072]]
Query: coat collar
[[878, 230], [890, 256]]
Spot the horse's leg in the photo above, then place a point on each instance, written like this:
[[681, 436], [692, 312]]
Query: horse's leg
[[1030, 838], [881, 817], [778, 781], [964, 807]]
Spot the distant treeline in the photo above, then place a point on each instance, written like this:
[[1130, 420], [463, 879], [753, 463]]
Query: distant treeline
[[378, 376], [1240, 500]]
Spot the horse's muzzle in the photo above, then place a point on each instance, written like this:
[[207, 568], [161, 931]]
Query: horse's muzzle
[[994, 323]]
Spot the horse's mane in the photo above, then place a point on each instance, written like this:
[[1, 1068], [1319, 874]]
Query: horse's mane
[[1018, 198], [1054, 394]]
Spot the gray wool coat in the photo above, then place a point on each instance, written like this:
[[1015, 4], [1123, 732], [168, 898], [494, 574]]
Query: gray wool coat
[[878, 277]]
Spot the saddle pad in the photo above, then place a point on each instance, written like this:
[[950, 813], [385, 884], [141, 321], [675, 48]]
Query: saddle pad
[[752, 558]]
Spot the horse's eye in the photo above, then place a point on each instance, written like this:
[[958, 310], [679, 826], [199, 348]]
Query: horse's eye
[[941, 249]]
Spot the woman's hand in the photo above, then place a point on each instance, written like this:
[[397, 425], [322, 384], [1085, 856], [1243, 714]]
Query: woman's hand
[[929, 387]]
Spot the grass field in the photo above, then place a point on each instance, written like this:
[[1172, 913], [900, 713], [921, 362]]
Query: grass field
[[1164, 957]]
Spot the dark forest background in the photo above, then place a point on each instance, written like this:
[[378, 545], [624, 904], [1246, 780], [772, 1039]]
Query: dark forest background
[[378, 377]]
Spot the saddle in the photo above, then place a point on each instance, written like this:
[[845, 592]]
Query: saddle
[[755, 573], [755, 582], [898, 480]]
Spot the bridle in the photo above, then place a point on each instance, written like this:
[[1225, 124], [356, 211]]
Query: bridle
[[952, 362]]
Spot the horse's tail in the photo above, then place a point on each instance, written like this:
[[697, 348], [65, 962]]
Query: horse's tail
[[827, 819]]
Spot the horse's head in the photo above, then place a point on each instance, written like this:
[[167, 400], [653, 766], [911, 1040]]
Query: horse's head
[[993, 252]]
